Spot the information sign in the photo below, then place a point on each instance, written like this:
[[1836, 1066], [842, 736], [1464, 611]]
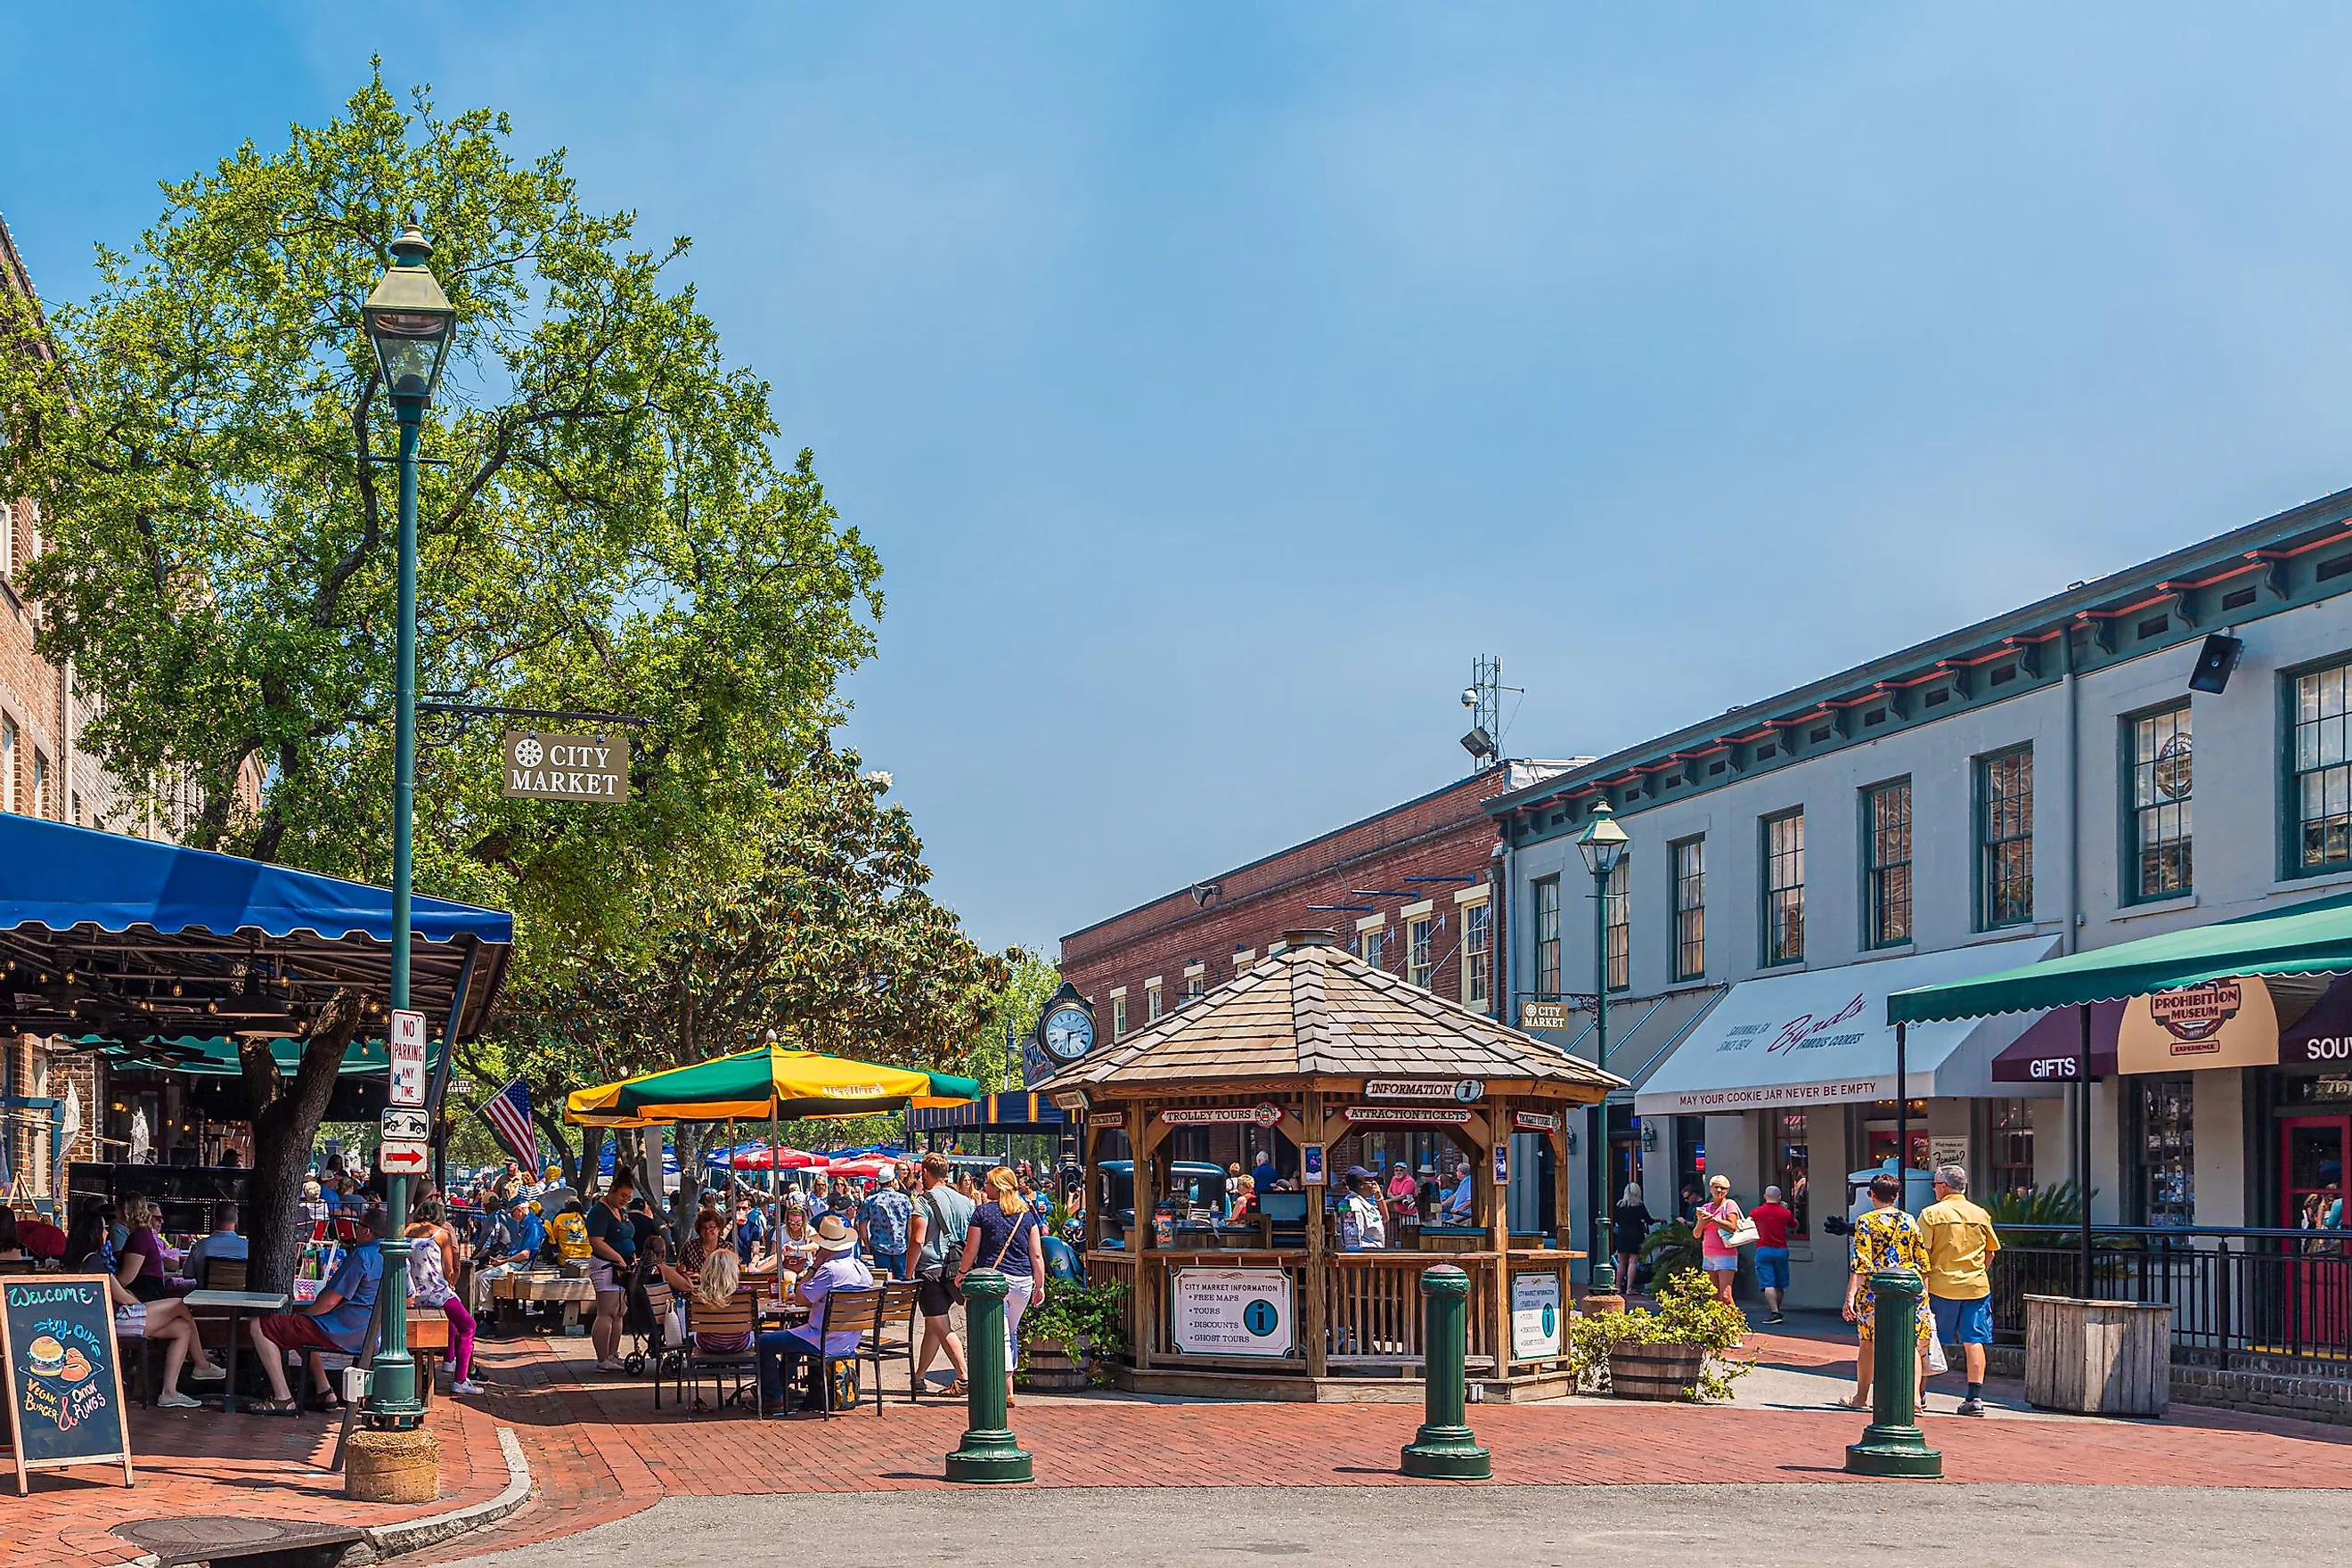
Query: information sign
[[1534, 1316], [1231, 1311]]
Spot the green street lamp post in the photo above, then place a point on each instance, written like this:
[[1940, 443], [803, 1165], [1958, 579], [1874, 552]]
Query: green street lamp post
[[1604, 845], [409, 324]]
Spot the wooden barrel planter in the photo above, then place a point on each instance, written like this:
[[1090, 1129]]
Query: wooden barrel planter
[[1052, 1369], [1663, 1373]]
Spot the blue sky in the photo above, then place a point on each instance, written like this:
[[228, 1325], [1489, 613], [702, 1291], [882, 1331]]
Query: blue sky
[[1217, 380]]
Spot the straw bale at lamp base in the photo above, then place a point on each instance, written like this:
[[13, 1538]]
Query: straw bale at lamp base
[[391, 1467]]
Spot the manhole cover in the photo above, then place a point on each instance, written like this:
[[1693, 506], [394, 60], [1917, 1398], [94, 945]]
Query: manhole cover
[[202, 1540]]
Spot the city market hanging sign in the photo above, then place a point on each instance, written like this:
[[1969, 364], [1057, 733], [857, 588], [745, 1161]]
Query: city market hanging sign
[[2220, 1023], [566, 767], [1222, 1116]]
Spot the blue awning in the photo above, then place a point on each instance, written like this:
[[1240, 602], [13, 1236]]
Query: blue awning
[[127, 938]]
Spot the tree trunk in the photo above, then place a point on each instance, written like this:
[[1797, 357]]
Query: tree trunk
[[286, 1117]]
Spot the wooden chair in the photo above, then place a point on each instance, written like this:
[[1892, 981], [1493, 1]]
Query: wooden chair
[[740, 1315], [428, 1344], [658, 1303], [898, 1307], [224, 1274], [855, 1312]]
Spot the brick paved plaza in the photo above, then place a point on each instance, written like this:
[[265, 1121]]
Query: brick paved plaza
[[598, 1452]]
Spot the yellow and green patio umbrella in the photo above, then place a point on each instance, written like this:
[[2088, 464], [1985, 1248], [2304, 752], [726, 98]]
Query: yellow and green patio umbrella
[[766, 1082]]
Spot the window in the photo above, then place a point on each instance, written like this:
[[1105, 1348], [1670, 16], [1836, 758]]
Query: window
[[40, 784], [2168, 1164], [1887, 861], [2157, 823], [7, 764], [7, 539], [1548, 937], [1151, 1001], [1119, 1015], [1417, 961], [2011, 1172], [2005, 838], [1478, 957], [1793, 1161], [1376, 946], [1784, 888], [2323, 777], [1616, 923], [1243, 958], [1196, 982], [1690, 910]]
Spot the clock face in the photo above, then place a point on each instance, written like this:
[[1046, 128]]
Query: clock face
[[1068, 1033]]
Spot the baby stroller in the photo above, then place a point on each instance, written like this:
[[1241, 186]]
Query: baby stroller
[[645, 1317]]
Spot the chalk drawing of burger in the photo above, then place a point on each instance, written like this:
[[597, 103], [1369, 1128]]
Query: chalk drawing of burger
[[48, 1357]]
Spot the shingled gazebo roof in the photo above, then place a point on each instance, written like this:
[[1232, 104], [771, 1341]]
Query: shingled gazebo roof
[[1315, 1010]]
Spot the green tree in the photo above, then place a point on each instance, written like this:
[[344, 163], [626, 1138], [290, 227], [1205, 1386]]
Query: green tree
[[605, 526]]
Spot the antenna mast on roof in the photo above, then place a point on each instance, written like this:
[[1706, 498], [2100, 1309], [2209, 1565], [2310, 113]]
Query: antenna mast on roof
[[1484, 697]]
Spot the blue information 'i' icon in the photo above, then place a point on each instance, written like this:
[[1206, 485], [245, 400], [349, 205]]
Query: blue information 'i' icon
[[1260, 1317], [1550, 1321]]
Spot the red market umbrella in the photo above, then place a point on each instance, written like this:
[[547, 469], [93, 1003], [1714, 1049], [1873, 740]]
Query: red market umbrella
[[783, 1158], [866, 1169]]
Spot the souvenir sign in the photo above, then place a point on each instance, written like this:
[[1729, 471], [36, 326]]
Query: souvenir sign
[[65, 1375], [1535, 1120], [1231, 1311], [1114, 1118]]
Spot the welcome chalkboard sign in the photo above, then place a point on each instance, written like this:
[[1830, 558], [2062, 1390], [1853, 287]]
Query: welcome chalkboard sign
[[65, 1376]]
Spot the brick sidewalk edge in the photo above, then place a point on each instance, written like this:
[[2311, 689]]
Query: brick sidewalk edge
[[415, 1535]]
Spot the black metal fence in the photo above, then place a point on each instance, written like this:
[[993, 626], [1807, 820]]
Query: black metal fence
[[2237, 1296]]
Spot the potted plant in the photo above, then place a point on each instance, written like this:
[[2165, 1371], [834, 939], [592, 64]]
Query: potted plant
[[1681, 1350], [1065, 1341]]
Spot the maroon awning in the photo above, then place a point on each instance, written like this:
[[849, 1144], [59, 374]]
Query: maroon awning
[[2048, 1052], [2322, 1037]]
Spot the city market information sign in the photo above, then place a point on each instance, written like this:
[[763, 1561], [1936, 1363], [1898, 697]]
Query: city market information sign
[[566, 767], [1222, 1116], [64, 1375], [1534, 1316], [1231, 1311]]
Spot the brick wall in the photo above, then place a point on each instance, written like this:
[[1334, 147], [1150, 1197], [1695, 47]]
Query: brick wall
[[1446, 834]]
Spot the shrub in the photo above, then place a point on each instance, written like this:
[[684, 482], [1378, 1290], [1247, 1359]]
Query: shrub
[[1092, 1316], [1673, 1248], [1689, 1313]]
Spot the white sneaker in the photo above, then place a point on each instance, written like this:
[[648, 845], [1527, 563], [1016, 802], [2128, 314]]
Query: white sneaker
[[610, 1366], [466, 1385], [177, 1401], [207, 1373]]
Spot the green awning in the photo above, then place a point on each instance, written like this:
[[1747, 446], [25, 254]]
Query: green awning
[[186, 1053], [2310, 939]]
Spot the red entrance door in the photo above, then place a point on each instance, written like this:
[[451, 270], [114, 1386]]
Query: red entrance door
[[2311, 1193]]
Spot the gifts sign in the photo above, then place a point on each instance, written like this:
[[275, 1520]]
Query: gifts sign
[[64, 1374]]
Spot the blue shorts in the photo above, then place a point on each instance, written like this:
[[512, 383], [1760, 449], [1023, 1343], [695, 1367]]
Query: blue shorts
[[1960, 1322], [1772, 1268]]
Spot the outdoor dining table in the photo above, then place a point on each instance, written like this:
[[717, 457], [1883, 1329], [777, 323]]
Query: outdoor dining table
[[240, 1305]]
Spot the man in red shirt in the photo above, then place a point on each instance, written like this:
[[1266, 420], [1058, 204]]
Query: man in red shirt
[[1773, 1219]]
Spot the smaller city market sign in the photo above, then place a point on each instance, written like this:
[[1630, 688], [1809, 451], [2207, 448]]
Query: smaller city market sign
[[565, 767], [64, 1372], [1221, 1116], [2220, 1023]]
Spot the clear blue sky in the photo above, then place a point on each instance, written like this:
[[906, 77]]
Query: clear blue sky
[[1216, 379]]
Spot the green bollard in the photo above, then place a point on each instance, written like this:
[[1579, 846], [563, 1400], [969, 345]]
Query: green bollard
[[1893, 1445], [989, 1452], [1445, 1450]]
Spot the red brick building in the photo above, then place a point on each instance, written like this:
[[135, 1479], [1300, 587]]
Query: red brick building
[[1409, 891]]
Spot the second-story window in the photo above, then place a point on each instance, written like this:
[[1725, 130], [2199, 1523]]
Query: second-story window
[[1151, 1002], [7, 764], [1690, 910], [1548, 937], [1119, 1016], [1477, 957], [2323, 769], [1616, 924], [2159, 823], [1886, 860], [1376, 947], [1784, 888], [1419, 961], [2005, 838]]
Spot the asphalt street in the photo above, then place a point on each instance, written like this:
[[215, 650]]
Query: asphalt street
[[1874, 1523]]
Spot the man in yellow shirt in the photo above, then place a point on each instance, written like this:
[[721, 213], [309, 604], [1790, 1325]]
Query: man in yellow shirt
[[1961, 1242]]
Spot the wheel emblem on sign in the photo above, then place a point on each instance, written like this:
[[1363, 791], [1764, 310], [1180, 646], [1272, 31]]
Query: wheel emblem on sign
[[1260, 1317], [528, 752]]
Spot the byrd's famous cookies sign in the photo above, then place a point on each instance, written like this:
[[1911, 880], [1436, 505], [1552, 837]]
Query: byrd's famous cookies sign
[[2220, 1023]]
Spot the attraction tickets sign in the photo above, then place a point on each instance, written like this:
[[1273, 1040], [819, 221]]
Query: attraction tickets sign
[[2220, 1023], [1408, 1115], [1231, 1311], [1222, 1116], [566, 767]]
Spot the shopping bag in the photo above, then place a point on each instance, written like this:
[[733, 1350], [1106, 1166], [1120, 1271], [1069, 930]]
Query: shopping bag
[[1935, 1362]]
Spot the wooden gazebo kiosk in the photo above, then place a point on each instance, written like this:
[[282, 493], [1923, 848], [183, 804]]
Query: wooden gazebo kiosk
[[1322, 1062]]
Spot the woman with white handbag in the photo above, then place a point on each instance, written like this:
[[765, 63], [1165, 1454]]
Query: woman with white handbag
[[1723, 1230]]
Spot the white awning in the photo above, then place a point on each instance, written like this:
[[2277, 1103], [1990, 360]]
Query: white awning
[[1820, 1037]]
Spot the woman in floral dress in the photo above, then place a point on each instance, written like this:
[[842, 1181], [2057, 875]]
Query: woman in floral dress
[[1885, 1237]]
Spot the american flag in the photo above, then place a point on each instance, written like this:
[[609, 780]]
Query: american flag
[[508, 1114]]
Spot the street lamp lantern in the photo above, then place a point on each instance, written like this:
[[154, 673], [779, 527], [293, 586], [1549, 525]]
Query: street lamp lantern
[[409, 321], [1603, 842]]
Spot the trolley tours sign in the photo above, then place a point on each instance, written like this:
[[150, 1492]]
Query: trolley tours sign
[[566, 767], [1222, 1116], [1231, 1311]]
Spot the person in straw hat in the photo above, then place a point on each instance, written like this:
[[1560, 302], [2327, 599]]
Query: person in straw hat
[[837, 1269]]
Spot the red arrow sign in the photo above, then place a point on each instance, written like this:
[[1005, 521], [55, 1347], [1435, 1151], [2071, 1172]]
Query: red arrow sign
[[403, 1159]]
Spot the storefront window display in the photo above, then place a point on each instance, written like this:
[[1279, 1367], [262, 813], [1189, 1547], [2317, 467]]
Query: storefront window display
[[1792, 1169], [2168, 1193], [2011, 1149], [1878, 1133]]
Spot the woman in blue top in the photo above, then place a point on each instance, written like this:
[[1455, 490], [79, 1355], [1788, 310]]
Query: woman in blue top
[[1004, 1235]]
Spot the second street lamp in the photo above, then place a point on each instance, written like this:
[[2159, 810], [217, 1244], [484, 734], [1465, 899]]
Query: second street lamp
[[409, 325], [1602, 843]]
